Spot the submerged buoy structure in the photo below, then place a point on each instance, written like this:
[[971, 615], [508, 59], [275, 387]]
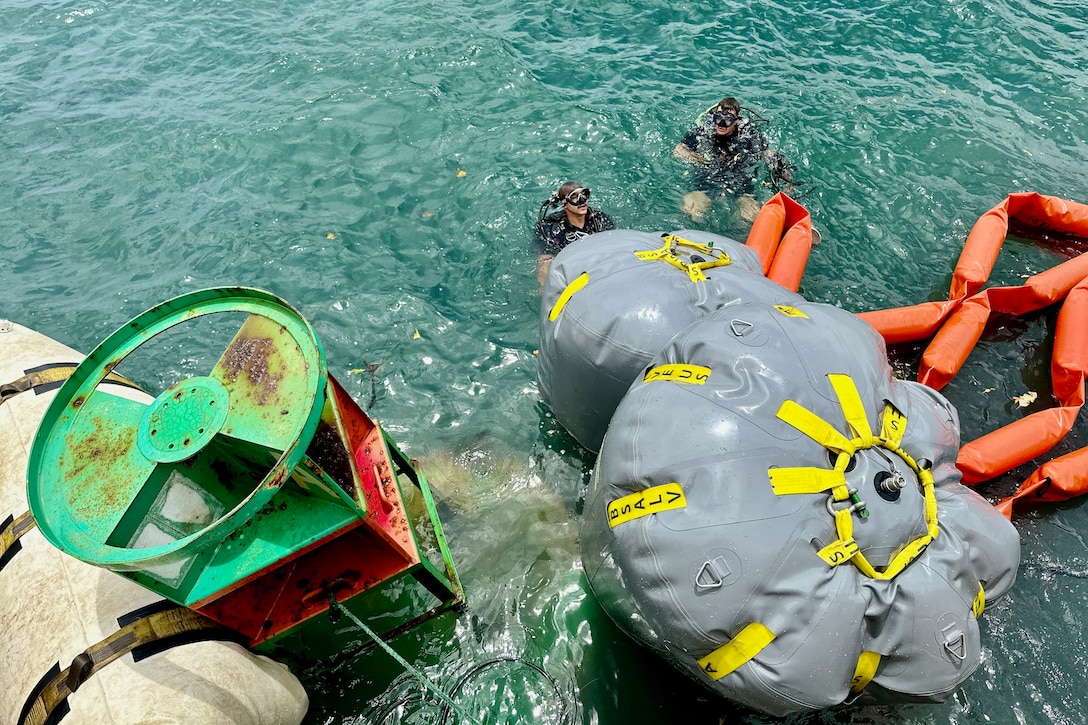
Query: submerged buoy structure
[[776, 515], [244, 501]]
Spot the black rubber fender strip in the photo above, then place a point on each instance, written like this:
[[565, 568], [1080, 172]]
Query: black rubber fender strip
[[10, 531], [58, 712], [145, 611], [168, 625]]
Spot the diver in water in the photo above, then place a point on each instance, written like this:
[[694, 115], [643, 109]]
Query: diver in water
[[726, 149], [576, 219]]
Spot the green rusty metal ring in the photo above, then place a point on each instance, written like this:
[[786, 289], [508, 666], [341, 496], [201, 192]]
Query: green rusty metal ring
[[57, 495]]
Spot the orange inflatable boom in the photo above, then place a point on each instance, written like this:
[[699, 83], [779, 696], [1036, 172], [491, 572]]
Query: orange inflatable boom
[[956, 325], [782, 236]]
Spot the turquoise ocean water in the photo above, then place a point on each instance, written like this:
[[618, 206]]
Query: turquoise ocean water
[[316, 150]]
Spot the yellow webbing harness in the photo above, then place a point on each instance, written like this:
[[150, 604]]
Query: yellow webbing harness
[[666, 497], [786, 481], [694, 270], [47, 377], [145, 632], [864, 672], [749, 642], [581, 281], [11, 530], [678, 373]]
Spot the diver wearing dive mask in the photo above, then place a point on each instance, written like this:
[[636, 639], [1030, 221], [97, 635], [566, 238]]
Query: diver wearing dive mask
[[574, 220], [726, 149]]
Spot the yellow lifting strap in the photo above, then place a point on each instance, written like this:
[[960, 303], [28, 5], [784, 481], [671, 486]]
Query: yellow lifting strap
[[864, 672], [893, 425], [791, 312], [979, 603], [747, 644], [786, 481], [11, 530], [815, 427], [666, 497], [52, 375], [694, 270], [838, 552], [581, 281], [852, 407], [161, 629]]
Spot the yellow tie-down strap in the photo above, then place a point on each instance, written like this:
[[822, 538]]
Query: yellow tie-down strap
[[11, 530], [694, 270], [864, 672], [652, 500], [838, 551], [747, 644], [786, 481], [859, 436], [581, 281], [979, 603], [678, 373]]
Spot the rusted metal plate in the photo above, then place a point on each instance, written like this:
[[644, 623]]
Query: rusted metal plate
[[272, 388]]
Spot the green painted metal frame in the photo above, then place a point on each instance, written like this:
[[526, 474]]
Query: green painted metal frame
[[319, 644], [98, 514], [73, 422]]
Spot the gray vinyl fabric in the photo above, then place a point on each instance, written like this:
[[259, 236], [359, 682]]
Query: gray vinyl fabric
[[686, 581], [608, 331]]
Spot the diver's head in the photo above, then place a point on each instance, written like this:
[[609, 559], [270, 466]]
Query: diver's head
[[726, 114], [574, 197], [568, 193]]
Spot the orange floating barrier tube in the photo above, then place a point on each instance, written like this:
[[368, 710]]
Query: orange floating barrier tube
[[907, 324], [956, 325], [953, 342], [980, 252], [1014, 444], [766, 231], [782, 236], [1058, 480], [1069, 360]]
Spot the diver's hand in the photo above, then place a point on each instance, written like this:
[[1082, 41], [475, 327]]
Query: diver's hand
[[686, 154], [781, 169]]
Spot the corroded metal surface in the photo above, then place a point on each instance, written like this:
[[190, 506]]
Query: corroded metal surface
[[256, 516], [93, 488]]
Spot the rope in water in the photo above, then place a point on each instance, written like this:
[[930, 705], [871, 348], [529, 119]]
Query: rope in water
[[448, 702], [516, 660]]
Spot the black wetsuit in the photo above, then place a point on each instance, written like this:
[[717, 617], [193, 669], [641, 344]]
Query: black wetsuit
[[733, 159], [555, 231]]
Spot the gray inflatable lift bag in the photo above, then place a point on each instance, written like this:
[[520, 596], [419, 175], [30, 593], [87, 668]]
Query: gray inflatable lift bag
[[612, 300], [777, 516]]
